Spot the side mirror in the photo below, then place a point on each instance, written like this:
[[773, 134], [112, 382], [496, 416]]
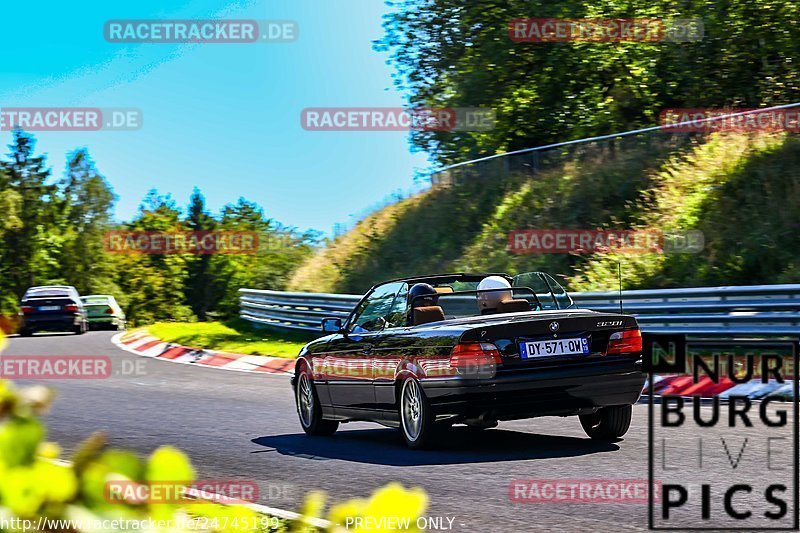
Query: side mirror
[[331, 325]]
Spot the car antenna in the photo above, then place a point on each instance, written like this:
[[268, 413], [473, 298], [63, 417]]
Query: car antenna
[[619, 275]]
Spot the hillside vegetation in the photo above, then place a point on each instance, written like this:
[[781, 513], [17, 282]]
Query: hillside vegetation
[[741, 190]]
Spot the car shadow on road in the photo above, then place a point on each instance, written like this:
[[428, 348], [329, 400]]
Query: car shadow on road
[[456, 446]]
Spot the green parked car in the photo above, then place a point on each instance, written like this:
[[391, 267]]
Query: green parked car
[[103, 312]]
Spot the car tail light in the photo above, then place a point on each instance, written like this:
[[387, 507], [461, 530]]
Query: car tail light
[[71, 308], [479, 358], [26, 309], [626, 341], [109, 311]]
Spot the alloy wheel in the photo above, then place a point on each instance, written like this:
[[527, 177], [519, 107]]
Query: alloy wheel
[[305, 399], [412, 409]]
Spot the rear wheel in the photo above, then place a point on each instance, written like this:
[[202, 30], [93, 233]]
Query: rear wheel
[[81, 328], [417, 421], [26, 332], [608, 423], [309, 409]]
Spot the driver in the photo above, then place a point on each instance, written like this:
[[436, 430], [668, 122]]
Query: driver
[[488, 302], [426, 298]]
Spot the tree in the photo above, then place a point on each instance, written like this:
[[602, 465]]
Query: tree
[[451, 53], [201, 287], [280, 251], [87, 202], [153, 284], [28, 253]]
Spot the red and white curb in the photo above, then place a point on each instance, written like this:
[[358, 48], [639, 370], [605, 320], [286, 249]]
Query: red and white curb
[[140, 343], [683, 385]]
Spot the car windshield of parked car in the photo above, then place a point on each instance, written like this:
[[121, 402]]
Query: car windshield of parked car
[[90, 300]]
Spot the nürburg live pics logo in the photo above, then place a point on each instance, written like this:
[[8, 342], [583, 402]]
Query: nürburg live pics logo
[[724, 450]]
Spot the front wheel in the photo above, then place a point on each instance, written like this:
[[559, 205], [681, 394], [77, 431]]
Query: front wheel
[[309, 409], [608, 423], [417, 421]]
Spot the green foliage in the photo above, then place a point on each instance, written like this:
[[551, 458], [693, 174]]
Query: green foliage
[[33, 204], [743, 193], [450, 53], [453, 54], [52, 232]]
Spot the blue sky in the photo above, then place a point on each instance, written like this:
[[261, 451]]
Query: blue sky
[[223, 117]]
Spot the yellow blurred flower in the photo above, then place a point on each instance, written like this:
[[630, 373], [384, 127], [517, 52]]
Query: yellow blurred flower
[[391, 508]]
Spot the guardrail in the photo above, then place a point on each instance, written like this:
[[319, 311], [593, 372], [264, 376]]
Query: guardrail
[[772, 310]]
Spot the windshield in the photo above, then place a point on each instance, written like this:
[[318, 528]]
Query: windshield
[[550, 293], [46, 293], [96, 300]]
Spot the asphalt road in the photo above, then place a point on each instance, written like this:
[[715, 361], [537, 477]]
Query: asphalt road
[[243, 426]]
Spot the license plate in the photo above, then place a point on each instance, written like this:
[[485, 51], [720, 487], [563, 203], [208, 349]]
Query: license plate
[[573, 346], [50, 308]]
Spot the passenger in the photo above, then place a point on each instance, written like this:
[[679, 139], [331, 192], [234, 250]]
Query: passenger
[[488, 302], [427, 297]]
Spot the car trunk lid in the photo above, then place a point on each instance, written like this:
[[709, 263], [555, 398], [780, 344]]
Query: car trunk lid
[[558, 337], [48, 304], [98, 310]]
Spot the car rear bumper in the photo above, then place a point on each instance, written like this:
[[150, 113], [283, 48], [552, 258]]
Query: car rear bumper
[[513, 394], [51, 322]]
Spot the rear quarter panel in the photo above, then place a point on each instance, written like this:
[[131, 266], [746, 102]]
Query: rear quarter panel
[[410, 352]]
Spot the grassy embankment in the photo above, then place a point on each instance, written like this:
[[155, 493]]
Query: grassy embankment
[[236, 336], [741, 190]]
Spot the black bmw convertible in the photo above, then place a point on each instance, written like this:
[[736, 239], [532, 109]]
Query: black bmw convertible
[[428, 352]]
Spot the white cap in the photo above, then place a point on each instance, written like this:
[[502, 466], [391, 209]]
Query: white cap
[[490, 300]]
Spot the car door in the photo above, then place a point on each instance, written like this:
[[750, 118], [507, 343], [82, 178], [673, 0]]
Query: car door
[[348, 360], [388, 353]]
